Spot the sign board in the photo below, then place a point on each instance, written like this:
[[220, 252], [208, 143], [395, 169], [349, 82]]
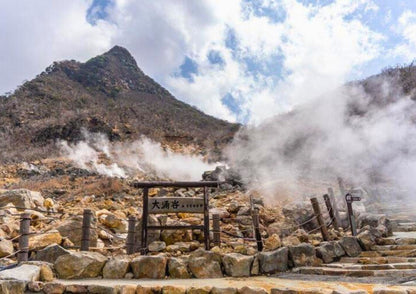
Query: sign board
[[351, 198], [175, 204]]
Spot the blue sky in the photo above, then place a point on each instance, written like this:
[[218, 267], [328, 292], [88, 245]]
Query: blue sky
[[240, 60]]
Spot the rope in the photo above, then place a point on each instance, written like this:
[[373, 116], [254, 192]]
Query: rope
[[17, 237], [306, 222]]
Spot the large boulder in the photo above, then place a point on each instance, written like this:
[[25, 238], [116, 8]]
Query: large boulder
[[274, 261], [150, 267], [178, 268], [24, 272], [272, 243], [205, 264], [302, 254], [367, 238], [51, 253], [116, 268], [6, 247], [237, 265], [43, 240], [71, 229], [112, 221], [351, 246], [82, 264], [374, 221], [23, 198], [329, 251]]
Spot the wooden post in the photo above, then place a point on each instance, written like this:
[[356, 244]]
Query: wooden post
[[23, 255], [131, 234], [351, 216], [256, 224], [321, 222], [216, 229], [334, 205], [86, 227], [331, 212], [206, 218], [144, 220]]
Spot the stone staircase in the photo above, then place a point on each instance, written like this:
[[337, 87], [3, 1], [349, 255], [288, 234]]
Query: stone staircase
[[392, 261]]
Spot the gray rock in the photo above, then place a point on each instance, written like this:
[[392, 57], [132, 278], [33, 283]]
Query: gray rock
[[82, 264], [329, 251], [116, 268], [374, 220], [274, 261], [302, 254], [205, 264], [51, 253], [351, 246], [366, 239], [151, 267], [237, 265], [24, 272]]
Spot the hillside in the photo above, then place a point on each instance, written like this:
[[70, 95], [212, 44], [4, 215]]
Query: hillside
[[108, 94]]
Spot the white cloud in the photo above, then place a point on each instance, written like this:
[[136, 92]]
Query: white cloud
[[406, 27], [318, 45], [33, 34]]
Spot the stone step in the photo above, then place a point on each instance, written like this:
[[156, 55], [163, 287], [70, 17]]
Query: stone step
[[375, 267], [355, 272], [393, 247], [402, 253], [377, 260]]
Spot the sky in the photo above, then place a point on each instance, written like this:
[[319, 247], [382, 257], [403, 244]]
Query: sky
[[239, 60]]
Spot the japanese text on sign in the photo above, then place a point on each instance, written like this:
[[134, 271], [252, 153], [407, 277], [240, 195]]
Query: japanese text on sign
[[175, 204]]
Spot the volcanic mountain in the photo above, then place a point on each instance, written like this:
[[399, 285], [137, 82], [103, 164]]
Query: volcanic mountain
[[109, 94]]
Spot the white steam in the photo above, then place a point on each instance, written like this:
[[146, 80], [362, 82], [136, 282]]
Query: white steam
[[369, 140], [143, 156]]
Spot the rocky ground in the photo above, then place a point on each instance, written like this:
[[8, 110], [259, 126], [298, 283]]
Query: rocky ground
[[55, 192]]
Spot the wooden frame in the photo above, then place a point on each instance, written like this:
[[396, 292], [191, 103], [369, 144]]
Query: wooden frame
[[197, 209]]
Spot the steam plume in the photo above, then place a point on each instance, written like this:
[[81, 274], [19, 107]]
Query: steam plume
[[365, 133], [130, 158]]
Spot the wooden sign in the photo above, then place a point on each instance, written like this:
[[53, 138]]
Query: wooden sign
[[175, 204], [153, 205]]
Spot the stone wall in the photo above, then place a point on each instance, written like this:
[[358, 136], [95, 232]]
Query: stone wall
[[201, 263]]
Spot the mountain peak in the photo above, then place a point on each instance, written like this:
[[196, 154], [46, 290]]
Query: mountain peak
[[122, 56]]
